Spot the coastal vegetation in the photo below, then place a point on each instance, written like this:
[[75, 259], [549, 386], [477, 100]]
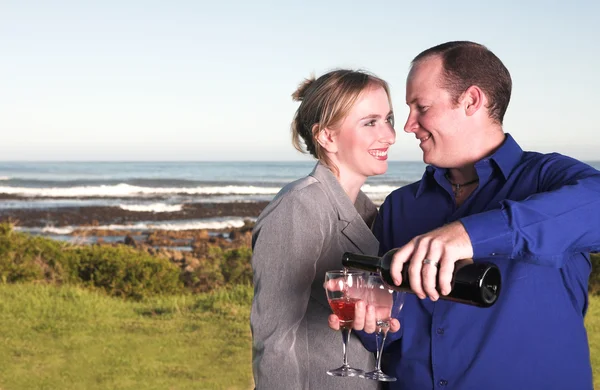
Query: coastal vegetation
[[133, 316], [132, 271]]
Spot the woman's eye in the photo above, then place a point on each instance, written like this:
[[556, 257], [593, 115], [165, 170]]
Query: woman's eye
[[370, 123], [390, 120]]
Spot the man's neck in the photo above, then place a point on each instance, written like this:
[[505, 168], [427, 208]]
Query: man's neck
[[488, 144]]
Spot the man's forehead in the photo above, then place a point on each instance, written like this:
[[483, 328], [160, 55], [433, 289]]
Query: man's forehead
[[427, 68], [422, 77]]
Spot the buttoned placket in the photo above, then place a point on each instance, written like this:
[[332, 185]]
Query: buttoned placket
[[438, 347]]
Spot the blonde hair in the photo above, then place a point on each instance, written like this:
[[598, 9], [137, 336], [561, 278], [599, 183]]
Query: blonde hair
[[324, 103]]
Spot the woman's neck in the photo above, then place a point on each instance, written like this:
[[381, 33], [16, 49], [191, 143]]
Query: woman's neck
[[351, 183]]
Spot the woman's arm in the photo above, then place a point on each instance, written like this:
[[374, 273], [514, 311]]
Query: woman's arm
[[287, 243]]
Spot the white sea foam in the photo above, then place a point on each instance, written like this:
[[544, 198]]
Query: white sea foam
[[378, 189], [4, 178], [208, 223], [152, 207], [129, 191], [51, 230], [126, 190]]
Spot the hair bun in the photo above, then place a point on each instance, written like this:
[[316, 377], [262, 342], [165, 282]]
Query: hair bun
[[300, 93]]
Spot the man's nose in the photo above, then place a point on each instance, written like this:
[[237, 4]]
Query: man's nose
[[411, 124]]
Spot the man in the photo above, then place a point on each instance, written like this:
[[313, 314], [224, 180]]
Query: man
[[536, 216]]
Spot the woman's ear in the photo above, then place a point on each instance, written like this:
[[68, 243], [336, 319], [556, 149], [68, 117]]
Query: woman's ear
[[327, 139]]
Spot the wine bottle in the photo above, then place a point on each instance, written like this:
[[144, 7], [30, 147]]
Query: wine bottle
[[476, 284]]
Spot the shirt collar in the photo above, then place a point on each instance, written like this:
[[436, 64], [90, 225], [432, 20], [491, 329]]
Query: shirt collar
[[506, 158], [426, 179]]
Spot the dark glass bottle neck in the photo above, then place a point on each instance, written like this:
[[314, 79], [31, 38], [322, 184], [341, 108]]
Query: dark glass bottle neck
[[363, 262]]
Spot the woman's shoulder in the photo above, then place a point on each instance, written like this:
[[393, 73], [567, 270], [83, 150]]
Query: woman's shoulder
[[306, 190], [304, 197]]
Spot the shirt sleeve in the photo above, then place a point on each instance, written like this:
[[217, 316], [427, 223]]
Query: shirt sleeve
[[285, 252], [563, 217]]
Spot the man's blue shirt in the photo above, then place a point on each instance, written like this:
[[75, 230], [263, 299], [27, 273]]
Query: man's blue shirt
[[537, 217]]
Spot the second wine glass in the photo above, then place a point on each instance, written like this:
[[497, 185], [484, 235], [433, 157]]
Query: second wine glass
[[388, 304]]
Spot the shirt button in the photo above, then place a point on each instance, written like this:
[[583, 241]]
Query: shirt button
[[440, 331], [443, 382], [493, 254]]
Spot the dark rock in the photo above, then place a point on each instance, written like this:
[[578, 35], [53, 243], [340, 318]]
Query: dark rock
[[130, 241]]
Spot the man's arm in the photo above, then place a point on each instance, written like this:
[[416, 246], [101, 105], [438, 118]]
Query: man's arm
[[563, 217]]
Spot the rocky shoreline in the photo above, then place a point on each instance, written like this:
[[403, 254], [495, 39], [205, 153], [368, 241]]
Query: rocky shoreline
[[88, 225], [192, 251], [97, 216]]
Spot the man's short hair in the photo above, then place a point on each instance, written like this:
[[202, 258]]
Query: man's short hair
[[467, 63]]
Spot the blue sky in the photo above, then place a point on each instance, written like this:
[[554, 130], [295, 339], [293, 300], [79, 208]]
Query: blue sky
[[196, 80]]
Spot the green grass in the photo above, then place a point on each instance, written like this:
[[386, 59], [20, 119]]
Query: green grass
[[592, 324], [70, 338]]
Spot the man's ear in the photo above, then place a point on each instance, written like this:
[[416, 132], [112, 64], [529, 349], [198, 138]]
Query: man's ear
[[473, 100], [327, 139]]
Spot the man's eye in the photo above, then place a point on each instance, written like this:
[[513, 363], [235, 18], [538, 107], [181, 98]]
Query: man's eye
[[422, 108]]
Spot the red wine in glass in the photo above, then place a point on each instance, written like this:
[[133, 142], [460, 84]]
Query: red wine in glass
[[344, 288], [344, 309]]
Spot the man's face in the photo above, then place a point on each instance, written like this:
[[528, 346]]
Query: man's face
[[437, 122]]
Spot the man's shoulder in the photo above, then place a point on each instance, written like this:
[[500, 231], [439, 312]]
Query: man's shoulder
[[532, 159]]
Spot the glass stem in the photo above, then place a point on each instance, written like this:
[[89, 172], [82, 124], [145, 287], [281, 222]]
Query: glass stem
[[380, 339], [345, 338]]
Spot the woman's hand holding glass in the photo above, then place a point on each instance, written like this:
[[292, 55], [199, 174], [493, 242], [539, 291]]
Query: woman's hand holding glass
[[376, 315], [365, 319]]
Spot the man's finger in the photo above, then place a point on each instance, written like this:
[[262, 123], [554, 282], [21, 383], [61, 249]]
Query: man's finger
[[414, 269], [370, 320], [445, 274], [429, 270], [394, 325], [359, 315], [429, 273], [400, 258]]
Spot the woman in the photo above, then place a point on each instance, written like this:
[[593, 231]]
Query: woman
[[345, 121]]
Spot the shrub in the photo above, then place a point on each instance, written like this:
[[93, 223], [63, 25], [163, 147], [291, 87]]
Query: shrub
[[126, 272], [24, 258], [236, 266], [119, 270], [206, 277]]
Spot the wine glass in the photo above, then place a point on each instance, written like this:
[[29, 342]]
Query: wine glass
[[344, 289], [388, 304]]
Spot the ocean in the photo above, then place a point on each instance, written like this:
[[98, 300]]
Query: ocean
[[159, 192]]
